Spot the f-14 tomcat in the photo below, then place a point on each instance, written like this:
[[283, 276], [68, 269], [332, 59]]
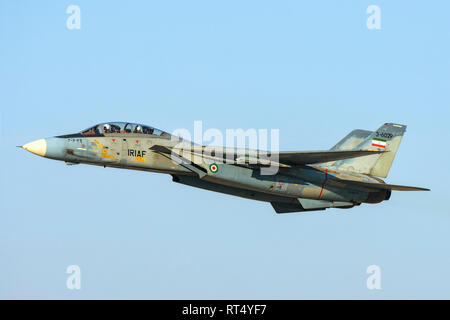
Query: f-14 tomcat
[[346, 175]]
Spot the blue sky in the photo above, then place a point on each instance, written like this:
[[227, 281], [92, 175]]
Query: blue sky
[[312, 70]]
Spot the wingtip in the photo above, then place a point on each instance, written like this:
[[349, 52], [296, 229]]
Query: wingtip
[[418, 189], [421, 189]]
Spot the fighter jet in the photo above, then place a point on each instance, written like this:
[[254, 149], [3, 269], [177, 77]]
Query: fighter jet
[[343, 177]]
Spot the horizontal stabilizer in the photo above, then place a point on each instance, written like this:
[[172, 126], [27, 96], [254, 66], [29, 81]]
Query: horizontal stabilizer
[[384, 186]]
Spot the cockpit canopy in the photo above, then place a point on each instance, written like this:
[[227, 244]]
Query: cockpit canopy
[[122, 127]]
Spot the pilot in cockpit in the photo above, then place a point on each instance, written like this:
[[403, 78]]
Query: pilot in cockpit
[[115, 128], [147, 130]]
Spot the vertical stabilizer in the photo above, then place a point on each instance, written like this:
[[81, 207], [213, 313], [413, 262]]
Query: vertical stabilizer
[[352, 140], [386, 138]]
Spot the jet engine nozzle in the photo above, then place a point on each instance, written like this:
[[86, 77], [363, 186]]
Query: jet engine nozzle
[[376, 197]]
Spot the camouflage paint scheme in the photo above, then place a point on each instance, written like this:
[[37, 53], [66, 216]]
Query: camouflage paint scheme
[[342, 177]]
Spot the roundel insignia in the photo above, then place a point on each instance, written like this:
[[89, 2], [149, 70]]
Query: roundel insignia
[[214, 168]]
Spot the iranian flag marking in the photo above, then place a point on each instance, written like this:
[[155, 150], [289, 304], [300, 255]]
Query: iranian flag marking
[[380, 143], [214, 168]]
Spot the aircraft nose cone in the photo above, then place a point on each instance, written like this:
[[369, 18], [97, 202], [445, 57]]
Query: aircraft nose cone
[[38, 147]]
